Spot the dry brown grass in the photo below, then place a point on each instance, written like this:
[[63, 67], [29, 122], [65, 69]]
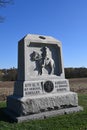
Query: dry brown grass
[[6, 88], [78, 85]]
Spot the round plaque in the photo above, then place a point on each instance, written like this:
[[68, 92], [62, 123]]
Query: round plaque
[[48, 86]]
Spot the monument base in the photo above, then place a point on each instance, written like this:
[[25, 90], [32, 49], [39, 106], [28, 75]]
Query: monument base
[[42, 105], [43, 115]]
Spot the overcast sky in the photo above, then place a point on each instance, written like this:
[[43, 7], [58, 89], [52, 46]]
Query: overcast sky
[[65, 20]]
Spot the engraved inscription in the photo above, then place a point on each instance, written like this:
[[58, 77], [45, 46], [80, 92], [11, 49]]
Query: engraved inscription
[[61, 85], [39, 87], [32, 88]]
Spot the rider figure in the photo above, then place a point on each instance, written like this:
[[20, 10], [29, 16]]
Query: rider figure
[[44, 55]]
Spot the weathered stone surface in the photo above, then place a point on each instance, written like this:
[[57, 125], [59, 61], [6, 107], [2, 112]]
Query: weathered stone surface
[[34, 44], [43, 115], [40, 103], [38, 87], [41, 86]]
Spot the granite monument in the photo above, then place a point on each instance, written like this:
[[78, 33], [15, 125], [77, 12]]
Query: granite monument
[[41, 89]]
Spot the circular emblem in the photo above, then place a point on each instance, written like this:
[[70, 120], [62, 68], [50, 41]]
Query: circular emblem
[[48, 86]]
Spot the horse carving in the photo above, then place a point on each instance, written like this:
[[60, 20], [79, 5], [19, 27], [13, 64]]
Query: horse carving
[[43, 61]]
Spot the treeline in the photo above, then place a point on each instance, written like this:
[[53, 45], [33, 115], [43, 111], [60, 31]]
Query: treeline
[[8, 74], [11, 74], [76, 72]]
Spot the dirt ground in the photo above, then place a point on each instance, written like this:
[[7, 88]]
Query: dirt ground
[[78, 85]]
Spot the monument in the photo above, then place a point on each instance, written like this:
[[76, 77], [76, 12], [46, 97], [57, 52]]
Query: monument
[[41, 89]]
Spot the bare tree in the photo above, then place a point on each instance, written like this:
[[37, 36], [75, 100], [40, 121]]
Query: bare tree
[[4, 3]]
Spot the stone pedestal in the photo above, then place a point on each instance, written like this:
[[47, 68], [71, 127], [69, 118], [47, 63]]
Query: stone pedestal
[[41, 103], [41, 107], [41, 89]]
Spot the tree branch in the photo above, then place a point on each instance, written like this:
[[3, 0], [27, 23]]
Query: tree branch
[[3, 3]]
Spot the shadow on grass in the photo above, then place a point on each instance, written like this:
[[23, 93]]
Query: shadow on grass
[[4, 117]]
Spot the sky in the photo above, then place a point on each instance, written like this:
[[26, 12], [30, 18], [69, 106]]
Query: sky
[[65, 20]]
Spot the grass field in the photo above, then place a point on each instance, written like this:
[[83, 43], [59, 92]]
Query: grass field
[[75, 121]]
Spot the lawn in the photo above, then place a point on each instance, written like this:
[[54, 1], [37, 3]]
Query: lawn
[[75, 121]]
